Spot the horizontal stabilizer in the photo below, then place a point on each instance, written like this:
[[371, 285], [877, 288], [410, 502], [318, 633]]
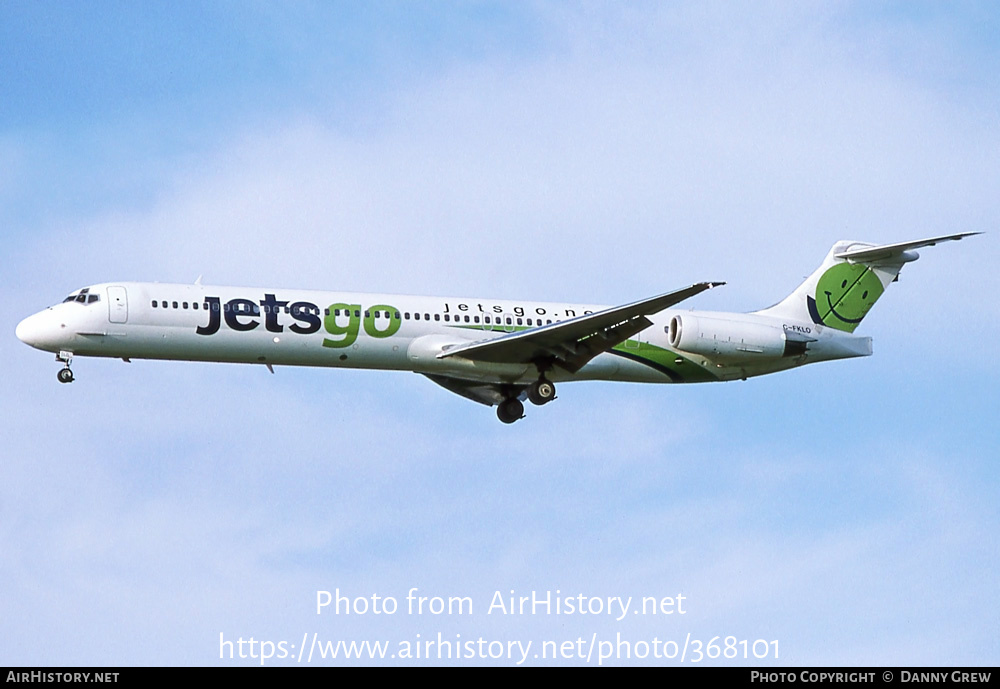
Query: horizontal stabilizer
[[895, 252]]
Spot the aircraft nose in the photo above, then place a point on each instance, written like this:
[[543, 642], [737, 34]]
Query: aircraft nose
[[35, 330], [26, 330]]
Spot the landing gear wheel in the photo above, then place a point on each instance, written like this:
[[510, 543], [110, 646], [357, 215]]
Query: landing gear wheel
[[510, 410], [542, 391], [65, 375]]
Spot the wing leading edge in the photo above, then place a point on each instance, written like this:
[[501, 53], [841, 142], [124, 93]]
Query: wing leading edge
[[571, 344]]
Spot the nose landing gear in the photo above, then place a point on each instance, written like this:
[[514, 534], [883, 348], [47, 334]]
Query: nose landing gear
[[65, 375]]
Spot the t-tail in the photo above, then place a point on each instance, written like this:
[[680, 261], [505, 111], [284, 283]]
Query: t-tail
[[848, 283]]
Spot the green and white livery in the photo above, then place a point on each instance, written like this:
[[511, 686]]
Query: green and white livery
[[494, 351]]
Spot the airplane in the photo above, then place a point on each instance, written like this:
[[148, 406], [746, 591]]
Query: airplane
[[493, 351]]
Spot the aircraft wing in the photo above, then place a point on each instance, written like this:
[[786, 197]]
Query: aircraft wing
[[890, 252], [572, 343], [484, 393]]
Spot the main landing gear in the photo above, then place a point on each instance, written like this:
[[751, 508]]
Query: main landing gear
[[510, 410], [542, 391], [65, 375]]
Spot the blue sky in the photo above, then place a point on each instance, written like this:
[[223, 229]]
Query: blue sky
[[524, 150]]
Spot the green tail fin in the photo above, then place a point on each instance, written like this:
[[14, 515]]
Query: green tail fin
[[849, 281]]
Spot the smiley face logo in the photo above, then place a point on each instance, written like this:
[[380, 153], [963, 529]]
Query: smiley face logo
[[844, 295]]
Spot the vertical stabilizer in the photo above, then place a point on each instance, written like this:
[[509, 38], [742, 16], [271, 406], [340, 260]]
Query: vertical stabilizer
[[850, 280]]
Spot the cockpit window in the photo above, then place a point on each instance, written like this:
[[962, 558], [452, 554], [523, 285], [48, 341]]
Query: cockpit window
[[84, 297]]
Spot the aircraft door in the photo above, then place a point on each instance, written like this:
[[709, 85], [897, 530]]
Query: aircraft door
[[117, 305]]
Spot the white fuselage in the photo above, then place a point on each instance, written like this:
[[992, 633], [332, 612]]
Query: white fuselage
[[395, 332]]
